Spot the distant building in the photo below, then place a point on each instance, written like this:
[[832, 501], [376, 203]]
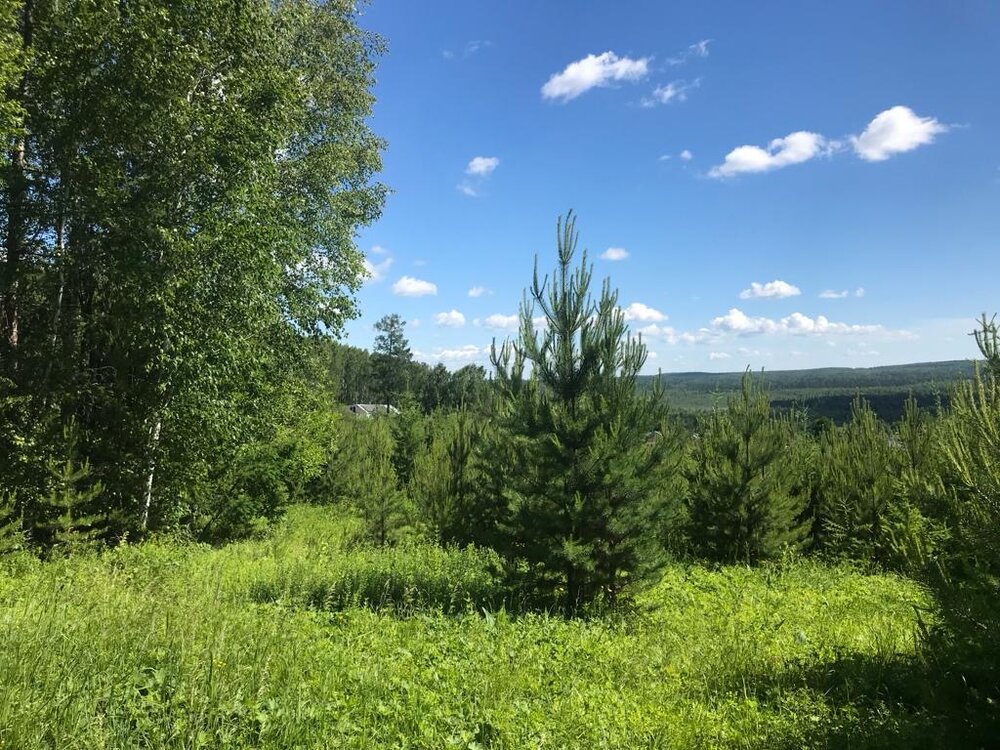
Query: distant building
[[370, 410]]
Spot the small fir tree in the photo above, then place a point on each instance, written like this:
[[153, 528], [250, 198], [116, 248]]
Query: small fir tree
[[580, 471], [858, 487], [11, 531], [71, 523], [746, 499], [377, 497]]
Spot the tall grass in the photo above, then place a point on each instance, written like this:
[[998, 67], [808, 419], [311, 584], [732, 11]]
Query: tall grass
[[304, 640]]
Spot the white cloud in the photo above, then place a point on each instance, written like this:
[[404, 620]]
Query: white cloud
[[451, 319], [480, 166], [462, 355], [686, 155], [377, 271], [614, 253], [478, 291], [672, 336], [666, 157], [502, 322], [378, 250], [475, 45], [895, 131], [675, 91], [471, 48], [833, 294], [719, 355], [776, 289], [794, 148], [591, 72], [859, 292], [407, 286], [738, 322], [698, 49], [466, 189], [643, 313]]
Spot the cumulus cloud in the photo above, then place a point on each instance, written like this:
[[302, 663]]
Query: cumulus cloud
[[614, 253], [738, 322], [643, 313], [833, 294], [450, 319], [480, 166], [376, 271], [675, 91], [478, 291], [591, 72], [895, 131], [776, 289], [859, 292], [502, 322], [686, 155], [407, 286], [671, 335], [794, 148], [468, 190], [719, 355]]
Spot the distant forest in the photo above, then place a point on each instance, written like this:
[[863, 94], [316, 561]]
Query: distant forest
[[824, 392]]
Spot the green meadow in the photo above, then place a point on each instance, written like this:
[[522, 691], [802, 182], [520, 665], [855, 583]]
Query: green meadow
[[308, 638]]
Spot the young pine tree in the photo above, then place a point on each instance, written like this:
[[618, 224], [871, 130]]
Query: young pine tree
[[11, 532], [858, 488], [71, 523], [376, 495], [746, 503], [580, 471], [444, 480]]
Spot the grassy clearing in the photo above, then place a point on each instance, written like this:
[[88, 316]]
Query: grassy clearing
[[304, 640]]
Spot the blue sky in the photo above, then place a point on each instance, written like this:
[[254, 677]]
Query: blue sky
[[783, 185]]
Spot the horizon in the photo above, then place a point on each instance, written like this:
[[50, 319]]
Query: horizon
[[764, 191]]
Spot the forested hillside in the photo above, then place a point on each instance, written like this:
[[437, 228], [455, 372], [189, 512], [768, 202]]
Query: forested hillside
[[824, 392]]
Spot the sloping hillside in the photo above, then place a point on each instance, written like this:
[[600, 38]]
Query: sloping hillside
[[825, 391]]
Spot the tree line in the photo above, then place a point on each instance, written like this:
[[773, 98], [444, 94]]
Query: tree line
[[389, 374]]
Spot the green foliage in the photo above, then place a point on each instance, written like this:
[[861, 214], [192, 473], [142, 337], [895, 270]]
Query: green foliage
[[168, 645], [391, 358], [580, 483], [746, 498], [181, 212], [71, 524], [860, 464], [11, 71], [446, 481], [11, 524], [972, 445], [880, 490], [363, 477], [827, 392]]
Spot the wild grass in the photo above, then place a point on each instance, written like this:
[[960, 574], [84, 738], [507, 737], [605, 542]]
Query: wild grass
[[303, 639]]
